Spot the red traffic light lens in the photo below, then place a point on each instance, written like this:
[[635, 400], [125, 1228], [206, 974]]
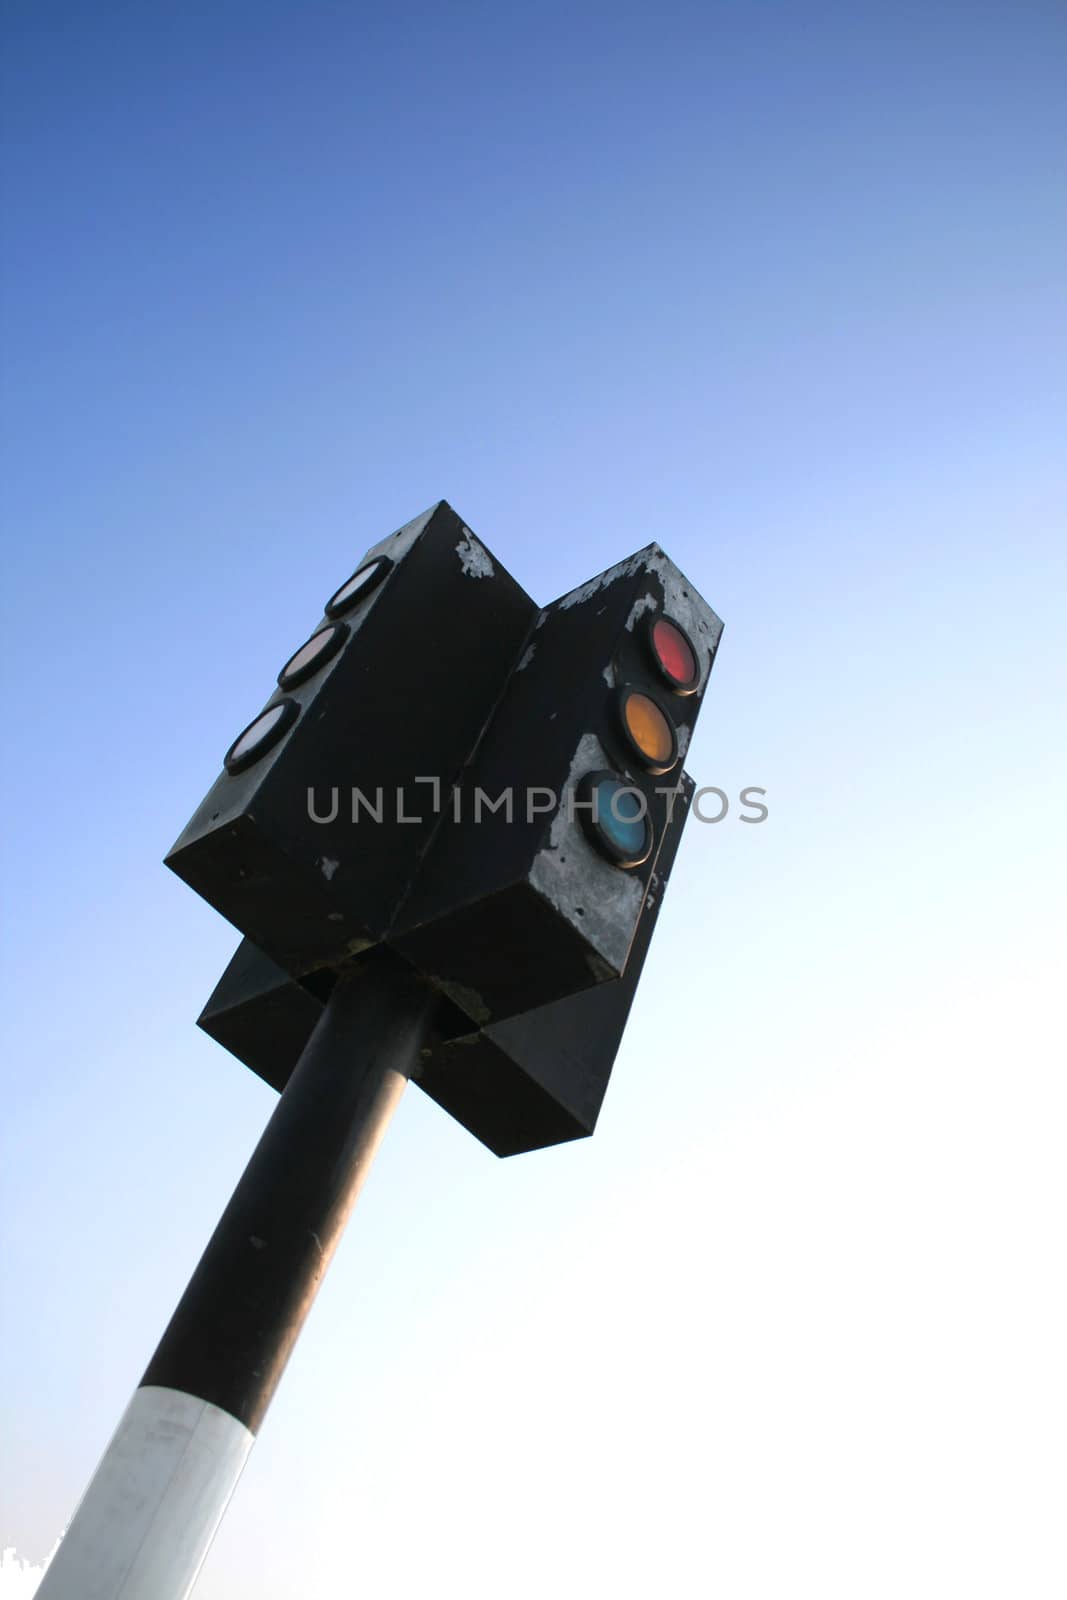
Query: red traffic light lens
[[648, 729], [358, 586], [674, 655], [261, 735], [312, 655]]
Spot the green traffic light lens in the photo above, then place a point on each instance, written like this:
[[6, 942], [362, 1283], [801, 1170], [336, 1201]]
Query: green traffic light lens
[[615, 817]]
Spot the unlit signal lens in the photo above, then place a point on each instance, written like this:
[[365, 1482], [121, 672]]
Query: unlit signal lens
[[358, 586], [261, 735], [319, 649]]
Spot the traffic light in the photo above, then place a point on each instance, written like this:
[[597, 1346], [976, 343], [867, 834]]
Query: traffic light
[[487, 945], [519, 1084], [551, 744], [378, 708], [533, 884]]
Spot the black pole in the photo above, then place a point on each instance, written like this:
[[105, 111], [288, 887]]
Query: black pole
[[154, 1504], [237, 1322]]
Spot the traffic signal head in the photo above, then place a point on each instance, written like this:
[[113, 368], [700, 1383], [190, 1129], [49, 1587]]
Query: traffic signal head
[[392, 686], [534, 882], [526, 886]]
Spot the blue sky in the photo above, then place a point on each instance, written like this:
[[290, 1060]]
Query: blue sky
[[780, 287]]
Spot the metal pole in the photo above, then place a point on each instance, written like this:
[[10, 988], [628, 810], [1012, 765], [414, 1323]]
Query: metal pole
[[152, 1508]]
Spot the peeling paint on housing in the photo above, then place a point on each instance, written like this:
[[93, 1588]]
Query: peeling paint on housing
[[468, 1000], [680, 600], [527, 657], [328, 867], [683, 605], [625, 569], [600, 902], [474, 557], [647, 602], [397, 545]]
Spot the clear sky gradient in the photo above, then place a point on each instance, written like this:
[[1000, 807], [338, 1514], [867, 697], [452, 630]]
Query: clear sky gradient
[[780, 286]]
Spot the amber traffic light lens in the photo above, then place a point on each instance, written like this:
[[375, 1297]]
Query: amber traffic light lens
[[649, 730], [675, 656]]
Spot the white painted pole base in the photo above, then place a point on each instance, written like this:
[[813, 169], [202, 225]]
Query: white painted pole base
[[147, 1519]]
